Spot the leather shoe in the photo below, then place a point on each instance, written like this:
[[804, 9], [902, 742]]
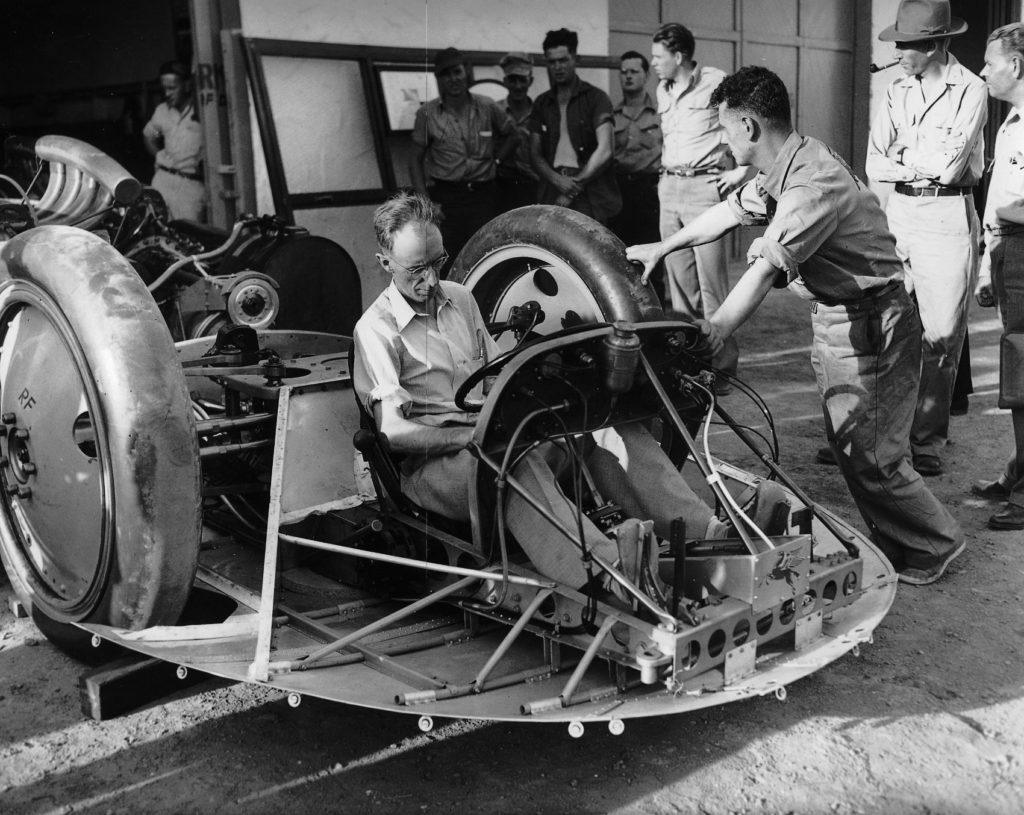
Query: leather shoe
[[826, 455], [959, 407], [928, 464], [991, 490], [922, 577], [1011, 518], [769, 510]]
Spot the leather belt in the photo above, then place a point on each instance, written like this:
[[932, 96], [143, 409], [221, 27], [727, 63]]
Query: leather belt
[[1004, 230], [468, 186], [867, 300], [687, 172], [182, 173], [931, 192]]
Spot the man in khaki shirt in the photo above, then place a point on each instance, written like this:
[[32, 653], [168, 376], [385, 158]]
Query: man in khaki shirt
[[1002, 270], [697, 169], [927, 139], [455, 158], [637, 153], [826, 238]]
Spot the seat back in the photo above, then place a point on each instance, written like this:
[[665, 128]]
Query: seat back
[[373, 444]]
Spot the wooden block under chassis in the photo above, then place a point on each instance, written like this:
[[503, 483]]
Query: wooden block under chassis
[[129, 683]]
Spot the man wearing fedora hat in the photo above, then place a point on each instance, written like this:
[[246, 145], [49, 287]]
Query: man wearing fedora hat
[[927, 139], [455, 155]]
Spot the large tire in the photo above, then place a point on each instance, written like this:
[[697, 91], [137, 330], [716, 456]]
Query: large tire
[[100, 507], [560, 258]]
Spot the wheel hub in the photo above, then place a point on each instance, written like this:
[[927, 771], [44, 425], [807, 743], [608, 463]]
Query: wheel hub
[[54, 483]]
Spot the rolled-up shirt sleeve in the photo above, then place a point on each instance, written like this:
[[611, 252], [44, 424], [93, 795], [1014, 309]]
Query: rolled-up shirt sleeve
[[377, 369], [806, 216]]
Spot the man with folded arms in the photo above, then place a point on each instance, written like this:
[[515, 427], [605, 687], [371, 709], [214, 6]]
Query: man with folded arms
[[927, 138]]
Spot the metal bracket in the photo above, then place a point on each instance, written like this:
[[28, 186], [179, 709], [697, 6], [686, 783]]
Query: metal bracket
[[740, 662], [807, 630]]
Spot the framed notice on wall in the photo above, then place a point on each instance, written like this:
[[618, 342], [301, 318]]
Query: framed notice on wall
[[404, 90]]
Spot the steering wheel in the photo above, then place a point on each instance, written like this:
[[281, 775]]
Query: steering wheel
[[494, 366]]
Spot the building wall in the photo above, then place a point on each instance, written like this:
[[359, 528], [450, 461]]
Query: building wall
[[483, 25]]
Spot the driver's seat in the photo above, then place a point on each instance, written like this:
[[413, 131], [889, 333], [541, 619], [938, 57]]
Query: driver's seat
[[383, 463]]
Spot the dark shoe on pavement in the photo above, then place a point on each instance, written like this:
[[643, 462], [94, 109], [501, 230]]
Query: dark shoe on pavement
[[1011, 517], [991, 490], [958, 407], [928, 464], [826, 455], [922, 577]]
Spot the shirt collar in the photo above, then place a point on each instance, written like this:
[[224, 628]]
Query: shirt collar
[[404, 312], [953, 73], [646, 102], [776, 175], [677, 89]]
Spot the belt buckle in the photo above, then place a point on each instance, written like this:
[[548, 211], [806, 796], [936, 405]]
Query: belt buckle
[[688, 172]]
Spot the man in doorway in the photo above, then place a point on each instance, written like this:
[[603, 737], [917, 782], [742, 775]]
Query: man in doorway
[[1001, 281], [637, 129], [697, 169], [173, 135], [571, 136], [416, 345], [927, 138], [455, 159], [517, 181], [826, 238]]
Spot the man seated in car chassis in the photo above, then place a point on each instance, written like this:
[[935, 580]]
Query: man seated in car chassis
[[421, 339]]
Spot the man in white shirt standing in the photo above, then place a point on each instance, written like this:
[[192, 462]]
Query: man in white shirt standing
[[927, 138], [1002, 269], [173, 135], [697, 169]]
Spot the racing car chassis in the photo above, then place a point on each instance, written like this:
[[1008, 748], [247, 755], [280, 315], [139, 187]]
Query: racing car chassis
[[327, 588]]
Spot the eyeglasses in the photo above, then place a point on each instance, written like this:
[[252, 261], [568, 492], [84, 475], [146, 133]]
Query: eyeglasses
[[420, 271]]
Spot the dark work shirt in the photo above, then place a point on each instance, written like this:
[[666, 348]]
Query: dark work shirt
[[588, 108]]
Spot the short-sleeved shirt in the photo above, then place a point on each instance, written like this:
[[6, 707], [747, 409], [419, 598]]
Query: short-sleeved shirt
[[417, 361], [637, 137], [944, 134], [588, 108], [182, 137], [1007, 184], [460, 145], [692, 134], [826, 231]]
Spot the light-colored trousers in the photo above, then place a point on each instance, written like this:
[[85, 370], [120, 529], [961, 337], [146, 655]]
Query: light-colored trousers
[[697, 279], [185, 198], [867, 359], [937, 240], [628, 467]]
